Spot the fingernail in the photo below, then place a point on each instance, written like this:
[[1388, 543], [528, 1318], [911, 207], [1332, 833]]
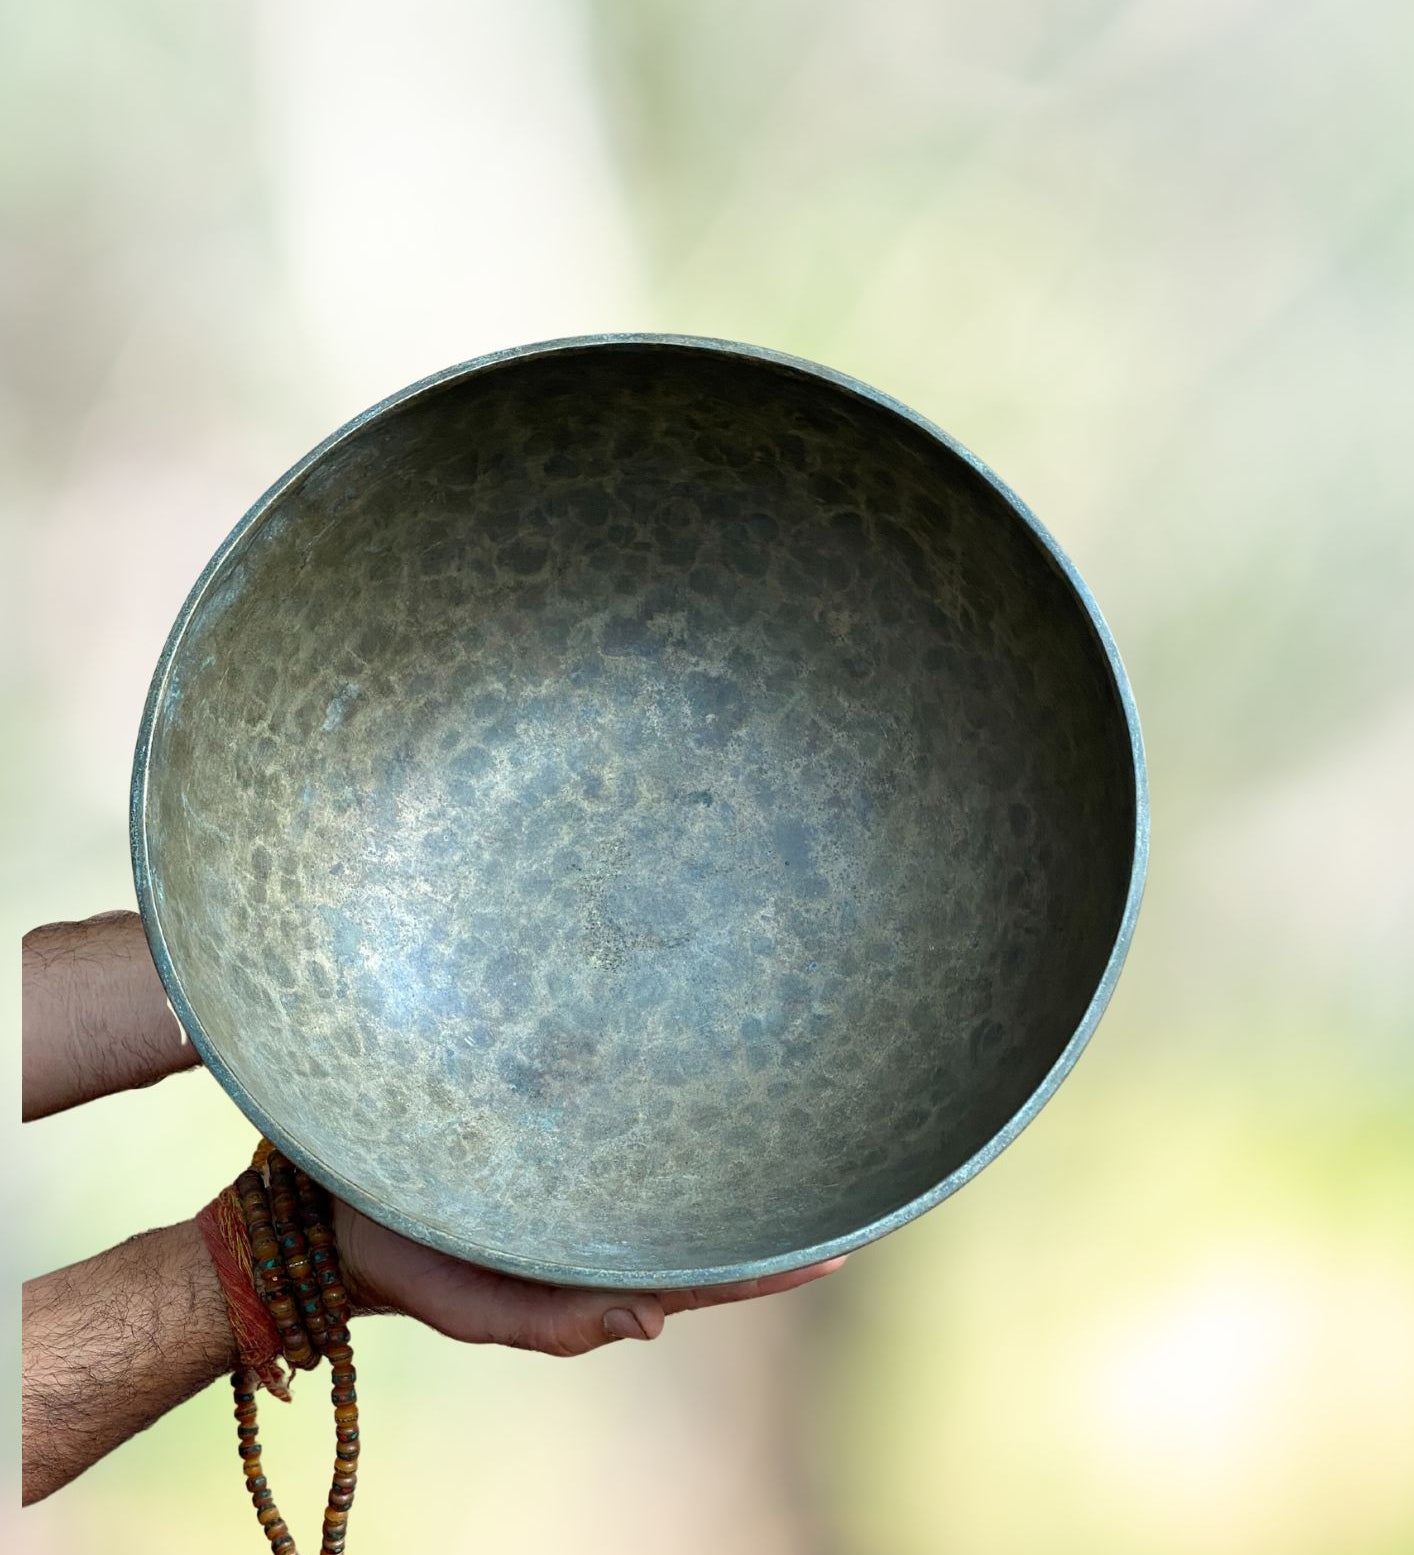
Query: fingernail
[[620, 1323]]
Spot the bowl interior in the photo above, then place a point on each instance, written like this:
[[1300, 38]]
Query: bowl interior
[[633, 812]]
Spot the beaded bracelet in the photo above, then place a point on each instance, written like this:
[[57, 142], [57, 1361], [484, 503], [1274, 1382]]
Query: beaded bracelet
[[296, 1272]]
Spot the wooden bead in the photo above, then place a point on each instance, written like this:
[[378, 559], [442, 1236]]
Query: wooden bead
[[296, 1271], [313, 1199], [314, 1314]]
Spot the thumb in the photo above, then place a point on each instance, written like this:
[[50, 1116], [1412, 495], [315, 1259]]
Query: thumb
[[559, 1321], [384, 1272]]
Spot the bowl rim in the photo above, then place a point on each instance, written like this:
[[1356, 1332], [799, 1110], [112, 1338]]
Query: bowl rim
[[549, 1270]]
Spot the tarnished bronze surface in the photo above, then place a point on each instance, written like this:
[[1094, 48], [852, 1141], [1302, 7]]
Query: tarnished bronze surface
[[639, 812]]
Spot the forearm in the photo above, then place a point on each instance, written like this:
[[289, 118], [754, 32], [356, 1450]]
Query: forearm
[[95, 1014], [111, 1344]]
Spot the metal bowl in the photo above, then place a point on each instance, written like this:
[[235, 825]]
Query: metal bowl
[[640, 812]]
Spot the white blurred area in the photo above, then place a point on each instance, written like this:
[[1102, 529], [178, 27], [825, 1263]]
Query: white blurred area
[[1150, 260], [442, 183]]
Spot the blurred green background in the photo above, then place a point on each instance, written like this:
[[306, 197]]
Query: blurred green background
[[1152, 260]]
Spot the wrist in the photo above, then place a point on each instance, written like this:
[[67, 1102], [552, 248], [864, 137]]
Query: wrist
[[187, 1265], [275, 1240], [113, 1342], [255, 1340]]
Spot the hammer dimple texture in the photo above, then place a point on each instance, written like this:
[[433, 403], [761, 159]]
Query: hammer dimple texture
[[640, 810]]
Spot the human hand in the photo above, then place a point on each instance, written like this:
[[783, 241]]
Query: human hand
[[386, 1272], [96, 1017]]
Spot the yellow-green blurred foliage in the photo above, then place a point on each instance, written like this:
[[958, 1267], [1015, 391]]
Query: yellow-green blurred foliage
[[1152, 260]]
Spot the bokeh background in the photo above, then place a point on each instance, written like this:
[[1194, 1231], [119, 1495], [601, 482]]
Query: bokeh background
[[1152, 260]]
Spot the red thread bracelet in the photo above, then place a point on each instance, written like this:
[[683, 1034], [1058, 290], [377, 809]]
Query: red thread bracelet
[[223, 1228]]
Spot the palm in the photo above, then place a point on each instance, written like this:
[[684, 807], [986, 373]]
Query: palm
[[385, 1272]]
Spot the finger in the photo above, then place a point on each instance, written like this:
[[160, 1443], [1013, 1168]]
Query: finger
[[745, 1290], [482, 1306], [573, 1322], [95, 1015]]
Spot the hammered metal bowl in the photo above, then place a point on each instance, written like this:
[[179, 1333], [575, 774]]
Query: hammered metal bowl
[[639, 812]]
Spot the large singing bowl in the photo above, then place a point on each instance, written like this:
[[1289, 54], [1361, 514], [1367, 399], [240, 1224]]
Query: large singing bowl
[[639, 812]]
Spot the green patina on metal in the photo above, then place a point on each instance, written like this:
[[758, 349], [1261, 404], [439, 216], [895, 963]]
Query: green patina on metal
[[640, 811]]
